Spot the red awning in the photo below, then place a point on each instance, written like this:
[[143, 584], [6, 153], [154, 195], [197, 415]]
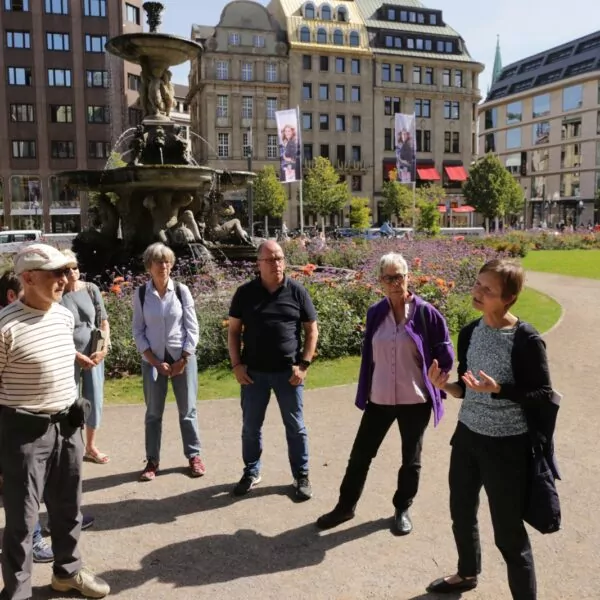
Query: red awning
[[428, 173], [456, 173], [459, 209]]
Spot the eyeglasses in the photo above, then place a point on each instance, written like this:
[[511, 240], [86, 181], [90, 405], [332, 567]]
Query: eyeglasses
[[272, 261], [390, 279]]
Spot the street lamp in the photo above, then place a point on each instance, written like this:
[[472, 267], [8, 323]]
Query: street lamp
[[249, 151], [580, 207]]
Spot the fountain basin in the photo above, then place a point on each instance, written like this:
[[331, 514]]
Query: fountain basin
[[162, 50]]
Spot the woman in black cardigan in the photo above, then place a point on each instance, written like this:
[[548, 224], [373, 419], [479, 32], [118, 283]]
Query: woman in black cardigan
[[503, 378]]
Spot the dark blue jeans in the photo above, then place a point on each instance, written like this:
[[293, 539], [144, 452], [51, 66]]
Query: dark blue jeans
[[255, 399]]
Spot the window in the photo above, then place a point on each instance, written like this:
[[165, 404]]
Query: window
[[272, 146], [423, 108], [541, 106], [247, 107], [340, 152], [356, 183], [59, 77], [23, 149], [423, 140], [458, 78], [571, 128], [247, 71], [307, 62], [388, 144], [307, 151], [490, 142], [338, 38], [324, 63], [323, 91], [133, 82], [271, 108], [439, 46], [342, 14], [354, 39], [355, 93], [307, 121], [389, 41], [541, 132], [223, 145], [356, 124], [446, 74], [97, 79], [98, 114], [246, 145], [222, 70], [305, 35], [569, 185], [18, 39], [540, 160], [94, 8], [258, 41], [306, 91], [514, 113], [222, 107], [132, 14], [570, 156], [410, 43], [95, 43], [386, 72], [324, 150], [491, 118], [451, 110], [513, 138], [340, 93], [135, 116], [271, 72], [428, 76], [326, 13], [340, 65], [309, 11], [234, 39], [416, 74], [398, 73], [572, 98], [323, 122], [355, 66], [22, 113], [356, 153], [62, 149], [59, 42], [98, 149], [513, 163], [61, 113], [17, 5], [340, 123], [433, 19], [452, 142], [321, 36]]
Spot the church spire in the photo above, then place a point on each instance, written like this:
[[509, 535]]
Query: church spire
[[497, 62]]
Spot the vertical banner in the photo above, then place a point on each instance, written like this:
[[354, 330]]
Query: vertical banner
[[289, 145], [406, 155]]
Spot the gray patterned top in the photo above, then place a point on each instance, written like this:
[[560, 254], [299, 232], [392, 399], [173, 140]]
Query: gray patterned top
[[490, 351]]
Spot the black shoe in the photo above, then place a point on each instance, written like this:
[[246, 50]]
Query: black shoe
[[303, 488], [334, 518], [245, 484], [441, 586], [402, 523]]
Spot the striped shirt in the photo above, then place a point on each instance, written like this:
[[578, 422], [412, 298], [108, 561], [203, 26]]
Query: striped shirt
[[37, 358]]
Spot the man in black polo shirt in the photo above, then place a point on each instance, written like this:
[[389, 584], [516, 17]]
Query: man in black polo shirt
[[268, 315]]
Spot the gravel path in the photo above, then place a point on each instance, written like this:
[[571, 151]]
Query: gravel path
[[179, 538]]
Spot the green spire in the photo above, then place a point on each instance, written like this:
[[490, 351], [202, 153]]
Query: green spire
[[497, 62]]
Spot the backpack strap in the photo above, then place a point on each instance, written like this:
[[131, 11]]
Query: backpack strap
[[97, 315], [423, 324], [178, 293], [142, 295]]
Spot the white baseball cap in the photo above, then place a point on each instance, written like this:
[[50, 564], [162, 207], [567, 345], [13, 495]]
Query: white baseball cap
[[41, 257]]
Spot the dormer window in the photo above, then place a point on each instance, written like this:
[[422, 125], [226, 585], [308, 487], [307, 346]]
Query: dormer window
[[321, 36], [234, 39], [342, 14], [305, 35], [326, 12], [354, 39], [338, 38], [309, 10]]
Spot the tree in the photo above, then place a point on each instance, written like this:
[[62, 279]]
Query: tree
[[269, 195], [515, 202], [428, 218], [360, 213], [398, 199], [491, 188], [323, 192]]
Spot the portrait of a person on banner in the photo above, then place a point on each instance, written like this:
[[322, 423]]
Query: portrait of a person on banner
[[405, 148], [289, 154]]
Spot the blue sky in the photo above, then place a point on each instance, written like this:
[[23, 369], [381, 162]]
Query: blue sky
[[525, 26]]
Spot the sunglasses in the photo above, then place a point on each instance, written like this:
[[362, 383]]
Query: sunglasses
[[392, 278], [58, 273]]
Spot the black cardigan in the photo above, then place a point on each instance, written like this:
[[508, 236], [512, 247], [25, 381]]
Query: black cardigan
[[531, 389]]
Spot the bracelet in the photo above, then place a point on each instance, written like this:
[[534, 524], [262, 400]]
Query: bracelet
[[236, 366]]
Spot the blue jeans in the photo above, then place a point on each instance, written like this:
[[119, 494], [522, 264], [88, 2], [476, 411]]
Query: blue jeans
[[92, 389], [255, 399], [185, 388]]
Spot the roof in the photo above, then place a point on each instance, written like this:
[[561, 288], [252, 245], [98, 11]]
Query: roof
[[181, 91], [202, 32], [465, 57], [573, 58]]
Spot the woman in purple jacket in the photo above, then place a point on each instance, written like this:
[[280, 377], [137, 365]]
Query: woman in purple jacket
[[404, 335]]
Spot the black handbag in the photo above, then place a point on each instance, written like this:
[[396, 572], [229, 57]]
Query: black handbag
[[542, 510]]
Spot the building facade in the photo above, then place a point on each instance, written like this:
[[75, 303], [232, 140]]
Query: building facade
[[351, 65], [65, 103], [542, 118]]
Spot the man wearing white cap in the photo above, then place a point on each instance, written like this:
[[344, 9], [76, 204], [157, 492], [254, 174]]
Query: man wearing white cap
[[41, 448]]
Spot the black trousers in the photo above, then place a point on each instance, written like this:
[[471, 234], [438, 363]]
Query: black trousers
[[40, 459], [501, 466], [376, 421]]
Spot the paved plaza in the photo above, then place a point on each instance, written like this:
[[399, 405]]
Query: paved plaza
[[178, 538]]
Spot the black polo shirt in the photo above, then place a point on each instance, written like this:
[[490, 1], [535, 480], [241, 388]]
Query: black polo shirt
[[272, 323]]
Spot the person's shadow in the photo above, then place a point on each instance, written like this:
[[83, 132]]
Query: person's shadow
[[246, 553]]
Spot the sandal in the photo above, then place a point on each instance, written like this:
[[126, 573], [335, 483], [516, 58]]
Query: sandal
[[96, 457], [441, 586]]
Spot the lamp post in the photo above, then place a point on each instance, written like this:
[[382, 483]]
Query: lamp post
[[525, 207], [580, 207], [249, 150]]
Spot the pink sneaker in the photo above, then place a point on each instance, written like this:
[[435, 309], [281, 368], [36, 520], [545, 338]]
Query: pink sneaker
[[197, 468], [149, 472]]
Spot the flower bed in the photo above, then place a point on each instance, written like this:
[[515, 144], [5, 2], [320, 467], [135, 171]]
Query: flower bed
[[342, 280]]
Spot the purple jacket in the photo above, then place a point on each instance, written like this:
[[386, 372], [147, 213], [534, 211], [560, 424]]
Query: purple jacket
[[432, 343]]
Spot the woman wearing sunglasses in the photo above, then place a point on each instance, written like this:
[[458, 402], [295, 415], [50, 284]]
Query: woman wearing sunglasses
[[404, 334]]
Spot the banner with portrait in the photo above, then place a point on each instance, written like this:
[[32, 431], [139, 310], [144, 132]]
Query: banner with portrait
[[290, 145], [404, 144]]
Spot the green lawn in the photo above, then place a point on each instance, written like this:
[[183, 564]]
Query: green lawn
[[537, 308], [577, 263]]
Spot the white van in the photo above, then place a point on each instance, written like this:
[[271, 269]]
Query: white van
[[12, 239]]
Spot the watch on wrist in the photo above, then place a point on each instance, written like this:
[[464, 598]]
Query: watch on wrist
[[304, 364]]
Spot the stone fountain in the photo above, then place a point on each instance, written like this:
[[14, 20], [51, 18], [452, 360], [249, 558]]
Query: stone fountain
[[161, 194]]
